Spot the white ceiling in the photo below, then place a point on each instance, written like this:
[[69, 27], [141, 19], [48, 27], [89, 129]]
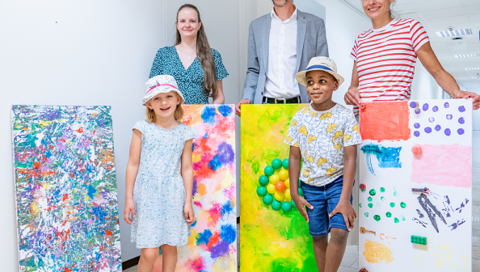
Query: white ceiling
[[439, 15]]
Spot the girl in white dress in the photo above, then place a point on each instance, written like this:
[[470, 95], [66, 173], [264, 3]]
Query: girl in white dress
[[159, 177]]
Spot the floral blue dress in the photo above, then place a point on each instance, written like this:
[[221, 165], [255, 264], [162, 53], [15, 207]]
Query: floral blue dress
[[159, 193], [190, 80]]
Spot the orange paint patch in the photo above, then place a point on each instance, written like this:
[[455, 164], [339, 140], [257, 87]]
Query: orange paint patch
[[108, 233], [201, 189], [385, 121]]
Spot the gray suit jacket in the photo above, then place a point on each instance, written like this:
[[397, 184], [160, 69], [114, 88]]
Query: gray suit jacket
[[311, 42]]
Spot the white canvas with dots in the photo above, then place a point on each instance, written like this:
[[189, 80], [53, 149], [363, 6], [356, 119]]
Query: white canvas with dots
[[390, 213]]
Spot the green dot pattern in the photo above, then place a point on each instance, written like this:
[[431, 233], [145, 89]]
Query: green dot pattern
[[376, 217], [372, 192], [388, 214], [370, 205], [403, 205], [392, 204]]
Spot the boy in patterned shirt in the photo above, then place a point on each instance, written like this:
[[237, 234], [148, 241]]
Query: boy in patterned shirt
[[325, 134]]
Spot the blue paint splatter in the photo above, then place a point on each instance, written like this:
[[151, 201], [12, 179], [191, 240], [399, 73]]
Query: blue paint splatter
[[425, 106], [204, 238], [438, 127], [416, 133], [413, 104], [448, 132], [460, 131], [219, 250], [449, 117], [446, 105], [461, 120], [435, 109], [225, 110], [428, 129], [417, 111], [461, 108], [225, 153], [431, 119], [91, 191], [226, 208], [215, 163], [388, 157], [416, 125], [208, 114], [228, 233]]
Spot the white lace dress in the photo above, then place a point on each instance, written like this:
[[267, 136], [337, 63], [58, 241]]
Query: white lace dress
[[159, 192]]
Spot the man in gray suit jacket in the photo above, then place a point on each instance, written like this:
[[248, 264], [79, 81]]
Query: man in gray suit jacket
[[279, 45]]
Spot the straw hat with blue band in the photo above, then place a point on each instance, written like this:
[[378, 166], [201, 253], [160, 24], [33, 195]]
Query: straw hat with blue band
[[319, 64], [161, 84]]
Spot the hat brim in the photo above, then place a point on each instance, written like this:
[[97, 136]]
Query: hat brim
[[302, 76], [154, 93]]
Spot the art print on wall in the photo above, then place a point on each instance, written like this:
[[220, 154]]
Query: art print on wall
[[213, 244], [65, 188], [274, 237], [415, 186]]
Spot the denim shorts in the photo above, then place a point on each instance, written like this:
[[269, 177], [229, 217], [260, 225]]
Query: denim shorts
[[324, 199]]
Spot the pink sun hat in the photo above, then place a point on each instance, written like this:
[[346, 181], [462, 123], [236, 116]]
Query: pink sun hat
[[161, 84]]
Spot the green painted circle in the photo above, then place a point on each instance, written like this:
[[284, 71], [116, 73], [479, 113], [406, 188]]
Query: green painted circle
[[403, 205], [382, 190], [396, 220], [277, 163], [263, 180], [268, 170], [370, 205], [276, 205], [261, 190], [370, 199], [377, 217], [388, 214], [392, 204], [372, 192], [366, 214]]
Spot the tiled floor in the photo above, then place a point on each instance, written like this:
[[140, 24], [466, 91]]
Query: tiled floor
[[350, 259]]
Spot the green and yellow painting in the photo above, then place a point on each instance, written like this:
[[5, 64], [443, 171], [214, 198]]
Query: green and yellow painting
[[273, 234]]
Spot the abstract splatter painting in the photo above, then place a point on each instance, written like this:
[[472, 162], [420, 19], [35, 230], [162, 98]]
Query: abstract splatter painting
[[415, 171], [65, 188], [213, 244], [274, 237]]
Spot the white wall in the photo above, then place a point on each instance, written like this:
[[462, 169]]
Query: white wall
[[92, 53]]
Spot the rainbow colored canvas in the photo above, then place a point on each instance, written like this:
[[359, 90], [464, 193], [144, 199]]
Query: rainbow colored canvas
[[65, 184], [272, 237], [213, 244]]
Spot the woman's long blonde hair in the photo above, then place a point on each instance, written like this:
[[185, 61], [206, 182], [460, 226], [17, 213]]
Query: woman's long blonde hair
[[204, 53]]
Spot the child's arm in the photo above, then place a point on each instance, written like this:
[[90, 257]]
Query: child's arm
[[344, 207], [187, 175], [132, 169], [293, 174]]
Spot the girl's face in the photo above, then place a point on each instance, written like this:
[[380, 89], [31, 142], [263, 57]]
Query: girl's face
[[187, 23], [320, 86], [376, 9], [164, 104]]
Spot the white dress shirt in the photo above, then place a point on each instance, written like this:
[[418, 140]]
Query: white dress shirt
[[282, 58]]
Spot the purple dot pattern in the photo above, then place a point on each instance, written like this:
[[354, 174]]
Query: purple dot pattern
[[431, 119], [435, 109], [416, 133], [425, 106], [438, 127], [413, 104], [448, 132], [461, 120], [460, 131], [449, 117], [446, 105], [428, 129], [417, 111], [416, 125], [461, 108]]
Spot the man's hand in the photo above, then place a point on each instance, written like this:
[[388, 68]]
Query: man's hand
[[238, 106], [352, 96], [466, 95]]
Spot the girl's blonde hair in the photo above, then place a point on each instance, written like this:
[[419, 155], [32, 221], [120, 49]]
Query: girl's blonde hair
[[178, 114]]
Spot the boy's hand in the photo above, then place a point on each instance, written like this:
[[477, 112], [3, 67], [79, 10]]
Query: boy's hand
[[349, 214], [299, 202], [129, 207], [189, 213]]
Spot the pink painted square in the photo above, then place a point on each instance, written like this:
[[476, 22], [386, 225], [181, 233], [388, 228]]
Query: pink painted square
[[446, 165]]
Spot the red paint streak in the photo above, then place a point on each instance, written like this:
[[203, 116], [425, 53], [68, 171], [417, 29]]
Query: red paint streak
[[65, 197], [196, 264], [198, 204], [67, 270], [215, 214], [80, 130], [36, 165], [385, 121], [213, 240], [108, 233]]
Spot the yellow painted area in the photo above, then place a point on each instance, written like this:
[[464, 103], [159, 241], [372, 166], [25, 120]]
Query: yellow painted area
[[376, 252], [310, 159], [311, 138], [289, 139], [338, 147], [321, 161], [196, 158], [313, 114], [355, 128], [306, 172], [303, 130], [296, 144], [294, 123], [331, 171], [338, 134], [347, 137], [225, 264]]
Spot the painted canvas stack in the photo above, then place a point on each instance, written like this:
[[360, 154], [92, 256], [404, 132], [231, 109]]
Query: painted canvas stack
[[416, 186]]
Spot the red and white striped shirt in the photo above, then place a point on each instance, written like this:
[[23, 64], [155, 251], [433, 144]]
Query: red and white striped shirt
[[386, 60]]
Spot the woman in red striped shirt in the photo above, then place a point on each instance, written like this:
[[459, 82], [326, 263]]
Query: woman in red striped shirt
[[385, 58]]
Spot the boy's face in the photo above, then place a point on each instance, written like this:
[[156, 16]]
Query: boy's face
[[320, 86]]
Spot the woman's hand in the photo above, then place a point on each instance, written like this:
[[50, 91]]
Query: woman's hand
[[299, 203], [129, 207], [352, 96], [239, 105], [466, 95], [346, 209], [189, 213]]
